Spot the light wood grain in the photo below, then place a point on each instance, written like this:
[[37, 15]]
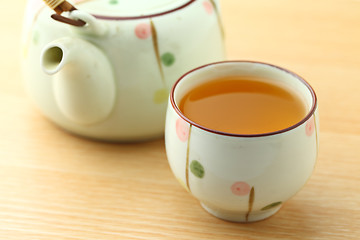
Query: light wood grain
[[57, 186]]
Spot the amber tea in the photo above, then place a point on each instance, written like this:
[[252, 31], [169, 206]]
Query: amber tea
[[243, 106]]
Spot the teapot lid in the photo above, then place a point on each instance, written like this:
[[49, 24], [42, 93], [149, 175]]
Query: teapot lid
[[131, 8]]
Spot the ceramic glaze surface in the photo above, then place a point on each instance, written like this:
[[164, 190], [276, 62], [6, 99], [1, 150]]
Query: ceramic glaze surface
[[131, 64], [241, 178], [131, 8]]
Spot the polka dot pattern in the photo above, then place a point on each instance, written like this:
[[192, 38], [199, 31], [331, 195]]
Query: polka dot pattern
[[143, 30], [35, 37], [310, 126], [168, 59], [209, 8], [161, 96], [182, 129], [240, 188], [197, 169]]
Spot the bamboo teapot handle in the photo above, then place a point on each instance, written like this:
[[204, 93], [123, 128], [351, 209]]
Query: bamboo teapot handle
[[60, 6]]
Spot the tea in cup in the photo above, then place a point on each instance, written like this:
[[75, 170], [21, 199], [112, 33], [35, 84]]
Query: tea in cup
[[242, 137]]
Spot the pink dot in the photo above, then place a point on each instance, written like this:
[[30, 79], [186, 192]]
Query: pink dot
[[209, 8], [143, 30], [310, 126], [240, 188], [182, 129]]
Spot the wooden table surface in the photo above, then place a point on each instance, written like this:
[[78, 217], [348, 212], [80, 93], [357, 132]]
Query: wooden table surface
[[57, 186]]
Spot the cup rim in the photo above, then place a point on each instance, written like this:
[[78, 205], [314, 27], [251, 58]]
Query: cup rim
[[306, 118], [105, 17]]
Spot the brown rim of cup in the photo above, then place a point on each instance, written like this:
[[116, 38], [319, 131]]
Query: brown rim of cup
[[307, 117], [144, 16]]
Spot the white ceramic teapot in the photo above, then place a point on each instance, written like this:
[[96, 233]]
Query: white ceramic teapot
[[110, 78]]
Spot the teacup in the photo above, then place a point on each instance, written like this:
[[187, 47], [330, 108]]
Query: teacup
[[241, 177]]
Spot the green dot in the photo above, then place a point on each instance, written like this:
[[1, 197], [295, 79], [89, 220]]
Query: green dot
[[272, 205], [161, 96], [168, 59], [36, 37], [197, 169], [113, 2]]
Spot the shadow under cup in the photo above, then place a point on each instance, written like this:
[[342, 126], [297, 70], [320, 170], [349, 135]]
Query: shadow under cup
[[242, 178]]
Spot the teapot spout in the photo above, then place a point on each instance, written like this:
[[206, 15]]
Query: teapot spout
[[83, 79]]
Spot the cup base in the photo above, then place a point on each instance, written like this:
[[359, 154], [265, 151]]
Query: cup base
[[233, 216]]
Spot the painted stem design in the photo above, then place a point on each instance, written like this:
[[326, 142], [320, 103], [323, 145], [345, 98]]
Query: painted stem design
[[156, 49], [218, 18], [187, 160], [251, 203]]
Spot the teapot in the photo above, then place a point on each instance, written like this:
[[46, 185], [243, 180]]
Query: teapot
[[105, 68]]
